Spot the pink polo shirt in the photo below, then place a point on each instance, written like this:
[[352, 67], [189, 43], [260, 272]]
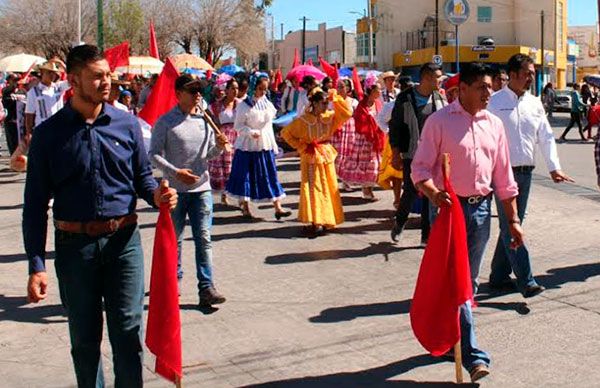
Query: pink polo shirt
[[479, 158]]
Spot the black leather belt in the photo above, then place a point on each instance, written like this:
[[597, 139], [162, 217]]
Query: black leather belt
[[475, 199], [523, 168]]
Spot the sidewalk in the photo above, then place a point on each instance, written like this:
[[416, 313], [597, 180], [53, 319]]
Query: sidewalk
[[332, 311]]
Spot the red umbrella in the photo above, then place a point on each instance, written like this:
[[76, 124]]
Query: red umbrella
[[301, 71]]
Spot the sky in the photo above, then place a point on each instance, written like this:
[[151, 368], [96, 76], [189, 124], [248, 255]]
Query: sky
[[337, 12]]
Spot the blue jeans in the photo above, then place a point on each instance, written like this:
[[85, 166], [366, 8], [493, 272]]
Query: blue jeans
[[507, 260], [97, 271], [198, 207], [477, 220]]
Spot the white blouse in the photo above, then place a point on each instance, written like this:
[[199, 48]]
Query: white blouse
[[255, 120]]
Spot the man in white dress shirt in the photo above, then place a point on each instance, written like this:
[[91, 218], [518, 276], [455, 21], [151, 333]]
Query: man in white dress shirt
[[526, 126]]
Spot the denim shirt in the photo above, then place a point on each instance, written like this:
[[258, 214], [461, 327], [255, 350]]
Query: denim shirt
[[93, 171]]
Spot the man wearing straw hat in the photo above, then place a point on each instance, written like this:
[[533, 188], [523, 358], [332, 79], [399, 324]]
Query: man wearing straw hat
[[478, 148], [389, 92], [46, 98], [115, 91]]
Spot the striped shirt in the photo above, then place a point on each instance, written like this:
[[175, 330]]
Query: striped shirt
[[44, 101]]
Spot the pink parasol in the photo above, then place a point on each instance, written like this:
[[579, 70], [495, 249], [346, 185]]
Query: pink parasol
[[301, 71]]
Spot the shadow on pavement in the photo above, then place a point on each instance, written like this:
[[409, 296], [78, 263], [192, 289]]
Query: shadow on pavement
[[12, 207], [358, 215], [349, 313], [375, 377], [556, 277], [12, 309], [382, 248]]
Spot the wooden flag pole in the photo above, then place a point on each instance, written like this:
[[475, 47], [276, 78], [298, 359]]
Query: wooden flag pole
[[177, 382], [214, 126], [458, 362], [457, 346]]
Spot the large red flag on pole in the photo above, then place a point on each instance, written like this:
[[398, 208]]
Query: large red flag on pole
[[331, 71], [163, 334], [296, 59], [162, 97], [153, 43], [444, 281], [357, 86], [117, 55]]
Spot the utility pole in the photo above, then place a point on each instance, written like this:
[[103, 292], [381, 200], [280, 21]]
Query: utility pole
[[370, 21], [78, 22], [539, 88], [437, 27], [281, 31], [272, 41], [304, 19], [100, 15]]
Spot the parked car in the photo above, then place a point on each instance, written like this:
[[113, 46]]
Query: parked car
[[562, 102]]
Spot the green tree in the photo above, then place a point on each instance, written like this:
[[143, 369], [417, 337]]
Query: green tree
[[125, 22]]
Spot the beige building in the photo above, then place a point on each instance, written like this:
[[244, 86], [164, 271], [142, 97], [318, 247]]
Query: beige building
[[586, 40], [405, 33], [333, 44]]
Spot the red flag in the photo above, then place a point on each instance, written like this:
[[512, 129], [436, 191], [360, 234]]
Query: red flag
[[208, 74], [357, 86], [117, 56], [153, 44], [309, 62], [296, 60], [277, 80], [329, 70], [444, 281], [163, 333], [162, 97]]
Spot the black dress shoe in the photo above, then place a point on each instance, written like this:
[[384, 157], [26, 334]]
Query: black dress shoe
[[532, 291], [283, 214], [396, 231], [210, 296]]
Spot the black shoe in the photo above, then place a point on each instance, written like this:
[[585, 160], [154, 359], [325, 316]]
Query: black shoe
[[396, 231], [210, 296], [532, 291], [283, 214], [479, 372]]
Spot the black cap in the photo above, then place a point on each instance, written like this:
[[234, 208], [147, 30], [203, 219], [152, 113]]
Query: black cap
[[187, 82]]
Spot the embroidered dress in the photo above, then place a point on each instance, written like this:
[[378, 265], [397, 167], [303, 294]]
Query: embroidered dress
[[220, 167], [343, 138], [253, 170], [361, 164], [320, 202]]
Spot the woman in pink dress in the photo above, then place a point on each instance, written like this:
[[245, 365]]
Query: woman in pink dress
[[223, 111], [343, 138]]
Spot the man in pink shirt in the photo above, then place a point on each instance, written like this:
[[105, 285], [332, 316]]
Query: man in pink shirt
[[476, 142]]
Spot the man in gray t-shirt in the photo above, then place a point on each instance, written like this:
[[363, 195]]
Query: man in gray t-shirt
[[181, 145]]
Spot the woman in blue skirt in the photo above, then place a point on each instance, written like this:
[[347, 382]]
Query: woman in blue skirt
[[253, 170]]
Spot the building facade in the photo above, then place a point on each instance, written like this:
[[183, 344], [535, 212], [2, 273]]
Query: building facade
[[333, 44], [586, 60], [405, 34]]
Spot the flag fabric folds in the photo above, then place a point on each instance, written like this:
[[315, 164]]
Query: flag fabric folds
[[153, 43], [331, 71], [277, 80], [163, 334], [162, 97], [357, 86], [117, 55], [309, 62], [444, 281]]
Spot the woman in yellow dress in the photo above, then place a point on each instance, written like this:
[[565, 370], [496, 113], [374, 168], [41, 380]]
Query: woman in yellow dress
[[320, 203]]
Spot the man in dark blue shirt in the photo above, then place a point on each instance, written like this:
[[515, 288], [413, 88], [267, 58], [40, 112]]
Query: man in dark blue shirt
[[90, 157]]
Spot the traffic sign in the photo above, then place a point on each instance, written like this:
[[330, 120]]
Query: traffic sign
[[437, 60], [457, 11]]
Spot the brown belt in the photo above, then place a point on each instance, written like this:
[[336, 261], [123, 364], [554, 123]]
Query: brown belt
[[96, 228]]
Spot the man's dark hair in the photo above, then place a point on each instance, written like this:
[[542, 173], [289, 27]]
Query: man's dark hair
[[497, 72], [80, 56], [428, 68], [515, 63], [471, 72]]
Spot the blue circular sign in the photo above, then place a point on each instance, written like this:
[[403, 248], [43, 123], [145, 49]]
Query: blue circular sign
[[457, 11]]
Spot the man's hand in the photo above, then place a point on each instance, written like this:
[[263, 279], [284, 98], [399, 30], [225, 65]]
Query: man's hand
[[37, 286], [165, 194], [221, 140], [186, 176], [559, 176], [516, 232], [440, 198]]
